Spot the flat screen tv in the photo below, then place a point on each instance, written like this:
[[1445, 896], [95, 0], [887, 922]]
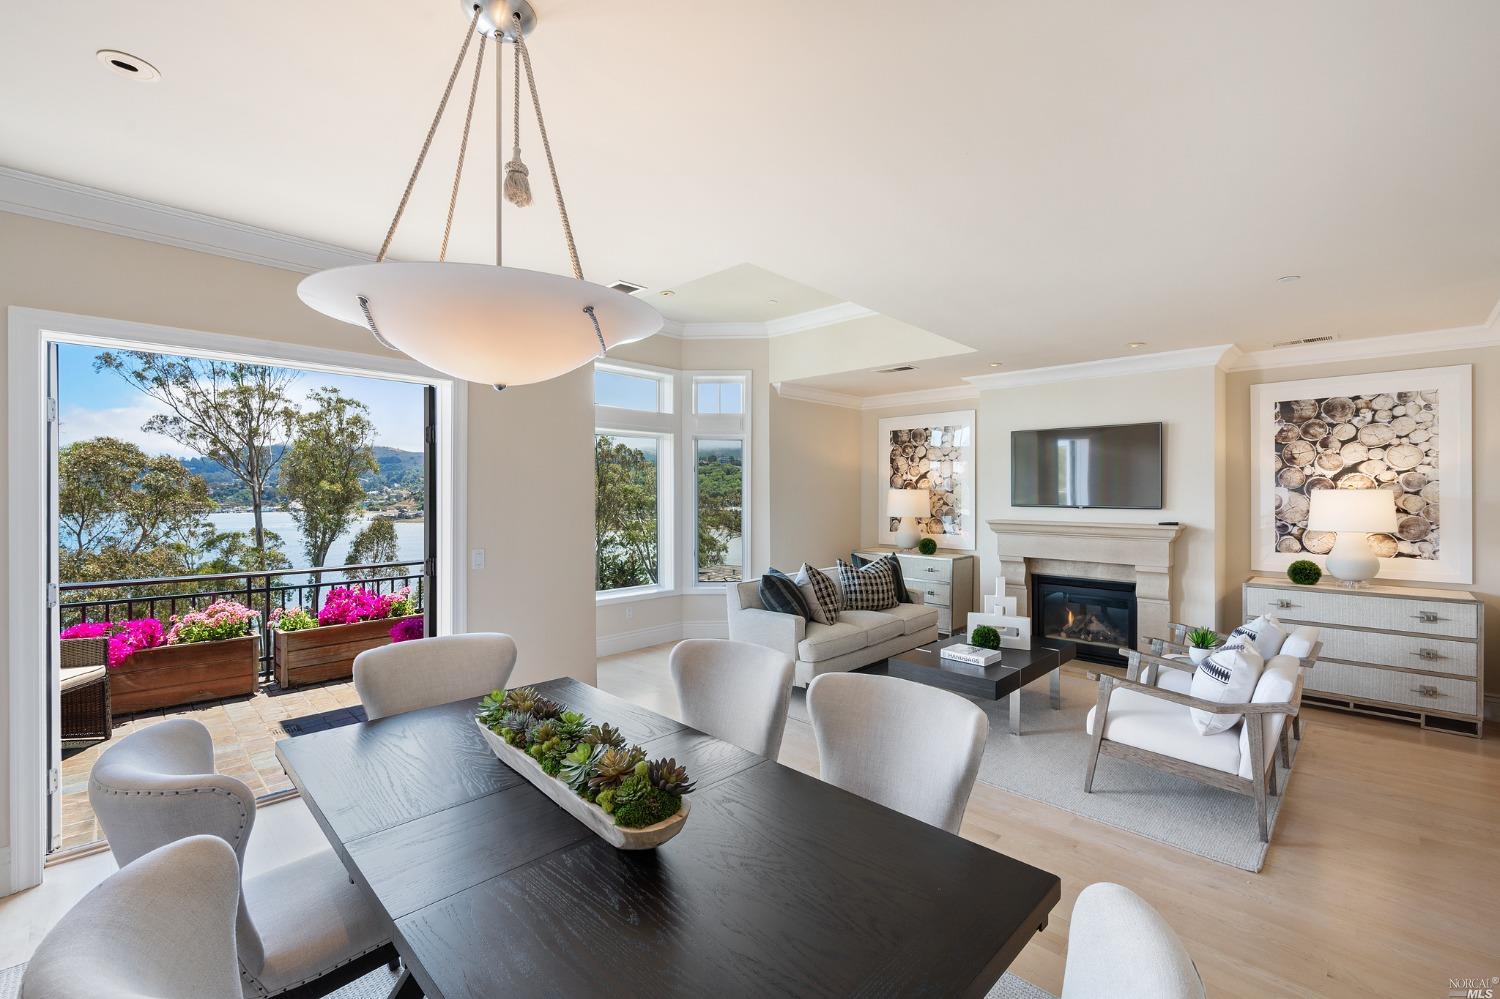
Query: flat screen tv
[[1113, 468]]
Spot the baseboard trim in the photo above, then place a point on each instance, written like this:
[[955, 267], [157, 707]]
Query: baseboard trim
[[643, 638]]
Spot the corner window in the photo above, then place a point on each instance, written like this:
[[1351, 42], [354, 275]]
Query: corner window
[[627, 494], [718, 395], [719, 480], [641, 391]]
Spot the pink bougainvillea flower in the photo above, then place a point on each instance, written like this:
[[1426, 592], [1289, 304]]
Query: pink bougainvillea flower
[[406, 629], [88, 629]]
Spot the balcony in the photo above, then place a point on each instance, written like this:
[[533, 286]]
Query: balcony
[[246, 725]]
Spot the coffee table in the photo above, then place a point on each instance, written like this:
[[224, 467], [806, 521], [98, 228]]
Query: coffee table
[[1016, 668]]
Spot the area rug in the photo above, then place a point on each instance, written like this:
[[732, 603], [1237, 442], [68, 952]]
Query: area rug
[[1048, 760], [376, 985]]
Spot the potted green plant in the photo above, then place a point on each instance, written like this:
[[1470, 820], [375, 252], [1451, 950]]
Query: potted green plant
[[1201, 644], [311, 649]]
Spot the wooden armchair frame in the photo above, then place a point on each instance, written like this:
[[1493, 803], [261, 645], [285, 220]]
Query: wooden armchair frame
[[1262, 782]]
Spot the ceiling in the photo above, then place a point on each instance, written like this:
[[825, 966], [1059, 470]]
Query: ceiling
[[740, 294], [1042, 181]]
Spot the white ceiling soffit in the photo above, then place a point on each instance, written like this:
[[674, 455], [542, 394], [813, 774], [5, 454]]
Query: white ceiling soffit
[[830, 315], [919, 397]]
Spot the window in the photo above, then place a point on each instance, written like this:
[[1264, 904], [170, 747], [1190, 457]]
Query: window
[[642, 391], [627, 530], [716, 395], [720, 484], [671, 479]]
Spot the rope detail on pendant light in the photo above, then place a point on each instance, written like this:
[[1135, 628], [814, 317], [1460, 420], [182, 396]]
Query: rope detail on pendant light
[[541, 124], [463, 146], [411, 181], [517, 187]]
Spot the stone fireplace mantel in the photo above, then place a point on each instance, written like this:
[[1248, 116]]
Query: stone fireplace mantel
[[1138, 553]]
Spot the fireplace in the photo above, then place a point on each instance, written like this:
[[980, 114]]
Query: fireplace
[[1096, 614]]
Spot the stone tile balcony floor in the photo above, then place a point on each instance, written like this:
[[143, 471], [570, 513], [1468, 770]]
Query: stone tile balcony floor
[[245, 731]]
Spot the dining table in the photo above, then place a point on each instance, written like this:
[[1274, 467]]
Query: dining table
[[778, 884]]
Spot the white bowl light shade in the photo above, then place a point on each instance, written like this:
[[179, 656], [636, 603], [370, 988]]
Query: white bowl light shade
[[909, 503], [495, 325], [1356, 511]]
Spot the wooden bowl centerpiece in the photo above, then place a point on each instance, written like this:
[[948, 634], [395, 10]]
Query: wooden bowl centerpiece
[[589, 770]]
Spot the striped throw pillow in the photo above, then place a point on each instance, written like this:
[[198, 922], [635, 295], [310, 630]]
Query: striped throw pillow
[[779, 593], [902, 597], [870, 588], [822, 596]]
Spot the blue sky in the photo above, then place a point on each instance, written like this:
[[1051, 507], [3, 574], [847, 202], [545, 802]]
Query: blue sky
[[98, 404]]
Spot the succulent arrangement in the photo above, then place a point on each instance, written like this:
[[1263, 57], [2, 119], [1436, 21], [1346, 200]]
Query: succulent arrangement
[[1203, 638], [595, 761], [985, 636], [1304, 572], [927, 546]]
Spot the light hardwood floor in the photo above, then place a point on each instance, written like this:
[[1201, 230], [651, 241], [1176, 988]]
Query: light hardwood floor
[[1383, 877]]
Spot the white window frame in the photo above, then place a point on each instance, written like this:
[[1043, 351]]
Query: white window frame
[[664, 426], [679, 427], [719, 427]]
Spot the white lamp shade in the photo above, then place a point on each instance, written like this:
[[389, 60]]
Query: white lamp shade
[[909, 503], [487, 324], [1357, 511]]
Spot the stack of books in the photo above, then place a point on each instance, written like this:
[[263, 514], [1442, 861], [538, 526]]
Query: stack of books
[[971, 655]]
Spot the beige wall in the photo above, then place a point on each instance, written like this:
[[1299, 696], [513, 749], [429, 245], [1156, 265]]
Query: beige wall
[[1185, 401], [527, 441], [1486, 362], [815, 483]]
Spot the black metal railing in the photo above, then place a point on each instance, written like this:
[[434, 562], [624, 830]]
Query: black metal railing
[[162, 597]]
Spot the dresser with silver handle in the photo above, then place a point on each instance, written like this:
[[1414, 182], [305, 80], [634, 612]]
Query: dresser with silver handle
[[945, 580], [1405, 652]]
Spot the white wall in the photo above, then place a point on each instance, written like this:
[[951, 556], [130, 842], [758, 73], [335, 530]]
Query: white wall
[[530, 475], [1185, 401]]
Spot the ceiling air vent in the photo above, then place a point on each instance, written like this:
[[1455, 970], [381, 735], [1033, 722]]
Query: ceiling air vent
[[628, 287], [892, 371], [1305, 340]]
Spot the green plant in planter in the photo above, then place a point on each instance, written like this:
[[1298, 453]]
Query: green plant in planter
[[1304, 572], [927, 546], [1203, 638], [985, 637]]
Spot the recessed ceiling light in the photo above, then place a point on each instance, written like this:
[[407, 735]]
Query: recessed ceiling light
[[1136, 343], [667, 292], [128, 65], [996, 364], [1288, 278], [773, 301]]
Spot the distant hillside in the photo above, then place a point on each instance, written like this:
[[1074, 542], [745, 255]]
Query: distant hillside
[[398, 470]]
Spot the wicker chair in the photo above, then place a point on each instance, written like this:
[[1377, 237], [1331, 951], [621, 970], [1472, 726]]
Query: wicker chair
[[86, 716]]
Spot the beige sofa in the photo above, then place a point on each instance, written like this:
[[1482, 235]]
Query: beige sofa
[[858, 638]]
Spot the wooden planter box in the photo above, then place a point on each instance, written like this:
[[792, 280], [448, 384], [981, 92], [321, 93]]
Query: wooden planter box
[[327, 653], [170, 675]]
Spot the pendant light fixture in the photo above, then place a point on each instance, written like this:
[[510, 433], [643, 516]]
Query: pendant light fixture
[[492, 324]]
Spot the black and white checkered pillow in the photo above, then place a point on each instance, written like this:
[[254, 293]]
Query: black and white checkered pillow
[[822, 596], [870, 588], [902, 596]]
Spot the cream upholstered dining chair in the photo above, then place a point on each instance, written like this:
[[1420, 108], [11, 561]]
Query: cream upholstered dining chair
[[298, 923], [1119, 947], [424, 672], [162, 926], [908, 746], [734, 691]]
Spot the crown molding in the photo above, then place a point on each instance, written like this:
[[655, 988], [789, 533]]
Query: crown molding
[[73, 204], [918, 397], [813, 319], [1369, 348], [806, 393], [921, 397], [1217, 356]]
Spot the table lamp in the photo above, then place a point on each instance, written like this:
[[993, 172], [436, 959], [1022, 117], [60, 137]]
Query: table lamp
[[908, 504], [1353, 514]]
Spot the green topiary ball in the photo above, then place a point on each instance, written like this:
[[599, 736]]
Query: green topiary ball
[[985, 637], [1304, 572], [927, 546]]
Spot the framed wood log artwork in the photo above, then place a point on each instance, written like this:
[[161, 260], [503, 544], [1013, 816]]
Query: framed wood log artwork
[[932, 452], [1409, 432]]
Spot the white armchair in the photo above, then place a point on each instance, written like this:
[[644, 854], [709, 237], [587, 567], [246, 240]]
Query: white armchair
[[301, 922], [162, 925]]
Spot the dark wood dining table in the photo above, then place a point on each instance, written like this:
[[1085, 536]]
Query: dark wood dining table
[[778, 884]]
